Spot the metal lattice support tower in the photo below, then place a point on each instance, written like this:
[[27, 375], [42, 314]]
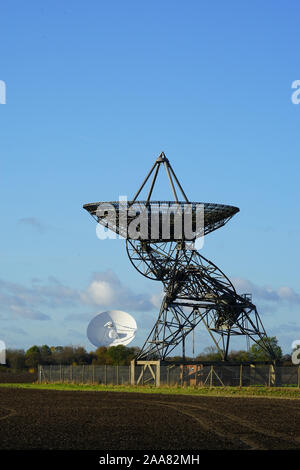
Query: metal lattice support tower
[[196, 290]]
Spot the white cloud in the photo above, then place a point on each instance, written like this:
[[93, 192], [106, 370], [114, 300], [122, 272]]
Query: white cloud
[[29, 313], [156, 299], [282, 294], [105, 290], [99, 293]]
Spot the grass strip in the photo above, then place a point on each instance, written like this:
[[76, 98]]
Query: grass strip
[[253, 391]]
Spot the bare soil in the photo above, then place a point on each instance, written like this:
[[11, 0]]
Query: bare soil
[[43, 419], [18, 377]]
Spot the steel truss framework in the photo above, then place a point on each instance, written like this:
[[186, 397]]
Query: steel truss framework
[[196, 291]]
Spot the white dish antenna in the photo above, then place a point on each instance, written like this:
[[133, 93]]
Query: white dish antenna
[[111, 328]]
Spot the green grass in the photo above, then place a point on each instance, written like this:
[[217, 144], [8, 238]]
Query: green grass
[[253, 391]]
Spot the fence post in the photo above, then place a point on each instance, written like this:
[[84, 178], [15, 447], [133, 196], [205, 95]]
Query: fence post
[[298, 376], [60, 376], [252, 374], [132, 372], [241, 375], [272, 375], [157, 381], [117, 374], [105, 374], [211, 375]]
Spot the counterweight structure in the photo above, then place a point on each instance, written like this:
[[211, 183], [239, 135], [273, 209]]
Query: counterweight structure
[[195, 289]]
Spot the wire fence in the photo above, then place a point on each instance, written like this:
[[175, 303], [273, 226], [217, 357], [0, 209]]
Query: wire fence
[[85, 374], [173, 375]]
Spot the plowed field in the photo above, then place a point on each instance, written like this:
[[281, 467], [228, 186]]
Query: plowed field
[[43, 419]]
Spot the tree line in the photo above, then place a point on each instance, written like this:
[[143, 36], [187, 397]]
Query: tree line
[[18, 359]]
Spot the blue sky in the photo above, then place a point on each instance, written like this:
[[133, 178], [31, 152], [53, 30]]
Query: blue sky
[[94, 92]]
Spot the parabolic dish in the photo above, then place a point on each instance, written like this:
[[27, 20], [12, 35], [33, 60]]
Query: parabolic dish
[[117, 216], [111, 328]]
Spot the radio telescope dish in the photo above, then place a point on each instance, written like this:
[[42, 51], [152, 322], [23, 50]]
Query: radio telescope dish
[[111, 328]]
